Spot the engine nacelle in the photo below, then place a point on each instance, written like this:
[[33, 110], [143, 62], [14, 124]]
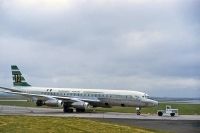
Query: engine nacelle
[[54, 103], [80, 105]]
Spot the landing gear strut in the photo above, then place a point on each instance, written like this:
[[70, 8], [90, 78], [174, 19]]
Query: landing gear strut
[[138, 110]]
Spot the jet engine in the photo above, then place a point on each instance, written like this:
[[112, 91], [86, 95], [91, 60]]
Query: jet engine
[[80, 105], [54, 103]]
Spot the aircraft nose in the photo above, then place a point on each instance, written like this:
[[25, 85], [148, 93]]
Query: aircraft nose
[[153, 103]]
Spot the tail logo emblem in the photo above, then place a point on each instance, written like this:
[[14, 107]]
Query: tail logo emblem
[[17, 78]]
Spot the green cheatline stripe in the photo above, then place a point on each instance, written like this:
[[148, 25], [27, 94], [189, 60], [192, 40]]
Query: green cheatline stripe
[[14, 67], [22, 78], [16, 72], [21, 84]]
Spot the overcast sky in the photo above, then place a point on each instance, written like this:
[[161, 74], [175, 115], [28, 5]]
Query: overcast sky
[[145, 45]]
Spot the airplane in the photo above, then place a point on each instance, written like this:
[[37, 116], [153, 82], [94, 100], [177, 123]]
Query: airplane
[[78, 99]]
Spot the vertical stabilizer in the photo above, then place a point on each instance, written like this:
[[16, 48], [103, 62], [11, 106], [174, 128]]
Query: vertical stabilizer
[[18, 79]]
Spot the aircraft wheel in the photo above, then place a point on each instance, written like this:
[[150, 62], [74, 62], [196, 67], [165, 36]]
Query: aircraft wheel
[[172, 114], [66, 109], [39, 103], [80, 110], [138, 113], [160, 113]]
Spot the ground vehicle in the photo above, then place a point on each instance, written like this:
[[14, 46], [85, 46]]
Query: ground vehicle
[[168, 111]]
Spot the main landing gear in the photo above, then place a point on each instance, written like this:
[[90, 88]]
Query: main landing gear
[[138, 109], [39, 103], [80, 110], [67, 109]]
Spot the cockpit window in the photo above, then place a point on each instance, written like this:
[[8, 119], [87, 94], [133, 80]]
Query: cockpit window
[[145, 96]]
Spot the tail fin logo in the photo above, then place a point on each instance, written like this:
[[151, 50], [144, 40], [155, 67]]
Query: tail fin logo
[[17, 78]]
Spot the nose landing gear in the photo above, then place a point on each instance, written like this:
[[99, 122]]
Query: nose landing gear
[[138, 110]]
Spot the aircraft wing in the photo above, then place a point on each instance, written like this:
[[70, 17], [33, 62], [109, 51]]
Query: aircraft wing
[[28, 95], [10, 89], [48, 97]]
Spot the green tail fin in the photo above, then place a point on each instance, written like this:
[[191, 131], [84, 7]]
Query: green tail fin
[[18, 79]]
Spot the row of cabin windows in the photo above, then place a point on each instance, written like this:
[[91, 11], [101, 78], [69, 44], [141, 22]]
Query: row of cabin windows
[[80, 94]]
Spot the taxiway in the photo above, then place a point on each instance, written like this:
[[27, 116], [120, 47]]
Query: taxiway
[[16, 110], [181, 123]]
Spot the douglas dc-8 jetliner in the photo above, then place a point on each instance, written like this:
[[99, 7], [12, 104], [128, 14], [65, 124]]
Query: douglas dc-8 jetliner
[[77, 98]]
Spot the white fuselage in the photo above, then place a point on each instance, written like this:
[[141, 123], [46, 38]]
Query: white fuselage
[[106, 97]]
